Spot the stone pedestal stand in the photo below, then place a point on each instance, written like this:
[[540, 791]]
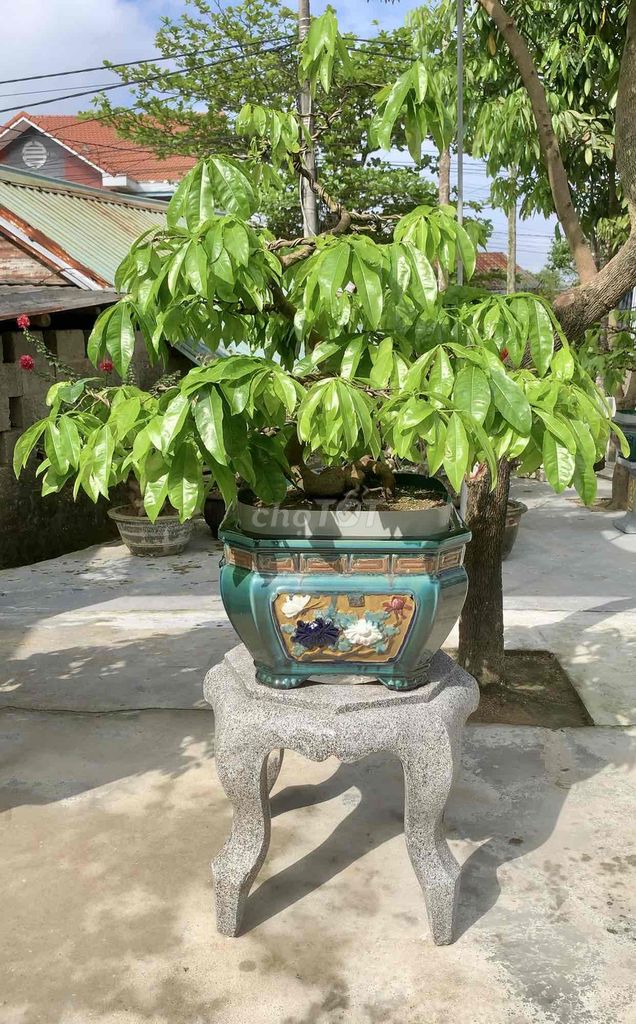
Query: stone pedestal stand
[[254, 724]]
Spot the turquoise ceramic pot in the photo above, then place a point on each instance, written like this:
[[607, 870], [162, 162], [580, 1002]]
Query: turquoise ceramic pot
[[378, 608]]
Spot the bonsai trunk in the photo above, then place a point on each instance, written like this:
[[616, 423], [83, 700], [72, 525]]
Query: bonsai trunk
[[481, 639]]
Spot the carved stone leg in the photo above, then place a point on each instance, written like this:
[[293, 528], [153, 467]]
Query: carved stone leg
[[274, 765], [427, 786], [245, 780]]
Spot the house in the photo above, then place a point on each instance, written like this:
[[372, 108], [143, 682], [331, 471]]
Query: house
[[60, 245], [490, 273], [88, 152]]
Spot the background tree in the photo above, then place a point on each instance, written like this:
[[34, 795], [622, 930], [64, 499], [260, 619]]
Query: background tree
[[227, 56]]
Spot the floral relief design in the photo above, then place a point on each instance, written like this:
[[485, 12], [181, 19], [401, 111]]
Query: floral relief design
[[330, 628], [319, 633], [363, 632], [295, 604]]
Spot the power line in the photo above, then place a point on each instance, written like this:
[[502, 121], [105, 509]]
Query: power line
[[145, 60], [143, 81]]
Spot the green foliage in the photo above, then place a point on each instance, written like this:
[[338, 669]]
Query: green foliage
[[194, 109], [320, 51], [353, 350]]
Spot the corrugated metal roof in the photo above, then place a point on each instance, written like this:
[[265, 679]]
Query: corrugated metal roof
[[93, 227]]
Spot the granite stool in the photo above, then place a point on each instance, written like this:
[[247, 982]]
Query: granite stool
[[255, 723]]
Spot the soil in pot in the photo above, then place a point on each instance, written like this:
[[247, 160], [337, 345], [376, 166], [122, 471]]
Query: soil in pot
[[405, 499], [420, 507]]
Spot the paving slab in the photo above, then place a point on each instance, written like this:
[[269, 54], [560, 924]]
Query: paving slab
[[109, 821]]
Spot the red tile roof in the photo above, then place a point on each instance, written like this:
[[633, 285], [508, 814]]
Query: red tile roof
[[101, 145], [489, 261]]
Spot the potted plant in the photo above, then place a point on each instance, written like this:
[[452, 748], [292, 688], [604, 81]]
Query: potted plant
[[361, 359], [89, 438]]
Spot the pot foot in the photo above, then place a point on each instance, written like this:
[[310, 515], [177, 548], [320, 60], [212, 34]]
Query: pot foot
[[404, 683], [278, 682]]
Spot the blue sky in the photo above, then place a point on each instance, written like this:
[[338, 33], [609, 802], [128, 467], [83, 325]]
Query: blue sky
[[55, 35]]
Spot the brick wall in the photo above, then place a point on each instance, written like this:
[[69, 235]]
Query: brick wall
[[33, 527]]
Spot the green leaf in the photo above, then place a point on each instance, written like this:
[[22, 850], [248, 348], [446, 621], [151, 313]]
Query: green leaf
[[435, 446], [173, 419], [208, 416], [541, 336], [232, 187], [351, 357], [558, 463], [382, 363], [237, 242], [69, 440], [196, 267], [563, 364], [26, 443], [456, 451], [584, 479], [114, 333], [441, 377], [124, 416], [66, 392], [558, 426], [368, 288], [199, 197], [103, 446], [185, 481], [332, 267], [466, 251], [585, 446], [156, 471], [471, 392], [511, 402], [55, 449]]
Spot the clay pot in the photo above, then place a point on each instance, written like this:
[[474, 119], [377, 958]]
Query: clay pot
[[166, 536], [513, 517]]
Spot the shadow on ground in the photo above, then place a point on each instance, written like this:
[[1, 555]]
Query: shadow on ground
[[111, 821]]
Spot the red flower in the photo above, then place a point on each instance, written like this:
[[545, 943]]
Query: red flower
[[503, 355], [27, 363], [106, 366], [23, 321]]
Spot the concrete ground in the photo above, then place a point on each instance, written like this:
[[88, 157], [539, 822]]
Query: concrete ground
[[112, 811]]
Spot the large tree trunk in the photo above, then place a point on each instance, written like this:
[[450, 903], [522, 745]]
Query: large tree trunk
[[481, 631]]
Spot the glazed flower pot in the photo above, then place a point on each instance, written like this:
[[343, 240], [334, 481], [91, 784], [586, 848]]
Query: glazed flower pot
[[364, 606], [166, 536], [513, 517]]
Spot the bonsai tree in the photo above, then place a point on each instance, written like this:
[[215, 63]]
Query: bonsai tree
[[350, 352]]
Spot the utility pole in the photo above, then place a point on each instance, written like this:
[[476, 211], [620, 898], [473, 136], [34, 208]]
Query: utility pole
[[460, 128], [308, 202], [511, 265]]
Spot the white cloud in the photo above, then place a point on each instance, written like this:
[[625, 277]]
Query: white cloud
[[58, 35]]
